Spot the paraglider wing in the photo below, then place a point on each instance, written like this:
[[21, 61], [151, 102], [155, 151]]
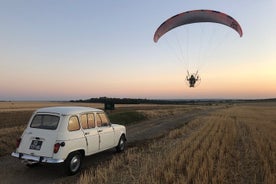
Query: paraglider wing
[[196, 16]]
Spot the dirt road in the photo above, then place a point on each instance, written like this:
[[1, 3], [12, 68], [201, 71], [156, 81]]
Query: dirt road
[[13, 171]]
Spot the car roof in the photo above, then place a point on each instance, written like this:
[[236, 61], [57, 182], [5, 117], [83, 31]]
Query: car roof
[[67, 110]]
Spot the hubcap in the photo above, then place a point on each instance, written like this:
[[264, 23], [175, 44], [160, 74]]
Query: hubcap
[[122, 144], [75, 163]]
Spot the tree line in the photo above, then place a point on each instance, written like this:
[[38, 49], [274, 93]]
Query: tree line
[[110, 100]]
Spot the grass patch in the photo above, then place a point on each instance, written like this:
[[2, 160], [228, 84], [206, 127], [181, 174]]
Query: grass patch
[[126, 118]]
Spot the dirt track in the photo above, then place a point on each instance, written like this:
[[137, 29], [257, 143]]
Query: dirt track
[[13, 171]]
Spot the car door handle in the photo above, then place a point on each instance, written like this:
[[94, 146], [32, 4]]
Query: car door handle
[[100, 130], [86, 133]]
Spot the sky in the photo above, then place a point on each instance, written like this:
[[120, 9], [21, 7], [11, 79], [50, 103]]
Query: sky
[[68, 49]]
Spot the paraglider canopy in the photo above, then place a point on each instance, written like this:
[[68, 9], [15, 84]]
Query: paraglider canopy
[[196, 16]]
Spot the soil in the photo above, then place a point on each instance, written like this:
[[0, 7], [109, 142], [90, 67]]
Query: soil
[[13, 171]]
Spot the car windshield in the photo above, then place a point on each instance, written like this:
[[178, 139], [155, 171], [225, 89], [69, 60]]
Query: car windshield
[[45, 121]]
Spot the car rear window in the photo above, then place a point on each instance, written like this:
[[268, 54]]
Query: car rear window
[[45, 121]]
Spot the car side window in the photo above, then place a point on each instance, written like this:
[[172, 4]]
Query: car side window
[[98, 120], [102, 120], [105, 120], [83, 120], [91, 120], [73, 123]]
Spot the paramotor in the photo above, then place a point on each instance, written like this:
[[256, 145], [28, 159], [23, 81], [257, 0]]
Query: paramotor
[[196, 16]]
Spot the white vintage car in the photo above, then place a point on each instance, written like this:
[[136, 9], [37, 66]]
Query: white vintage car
[[67, 134]]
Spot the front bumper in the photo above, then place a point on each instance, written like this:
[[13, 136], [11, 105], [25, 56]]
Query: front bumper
[[32, 158]]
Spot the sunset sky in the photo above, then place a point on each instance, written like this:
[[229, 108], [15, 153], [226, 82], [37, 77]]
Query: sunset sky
[[68, 49]]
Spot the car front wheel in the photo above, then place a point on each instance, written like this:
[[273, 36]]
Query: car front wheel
[[122, 144], [73, 163]]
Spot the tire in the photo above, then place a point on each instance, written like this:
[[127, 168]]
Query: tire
[[121, 144], [73, 163]]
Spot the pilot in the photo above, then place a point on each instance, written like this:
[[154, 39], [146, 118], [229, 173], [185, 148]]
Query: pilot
[[192, 80]]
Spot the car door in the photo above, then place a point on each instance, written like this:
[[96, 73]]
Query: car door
[[90, 132], [106, 131]]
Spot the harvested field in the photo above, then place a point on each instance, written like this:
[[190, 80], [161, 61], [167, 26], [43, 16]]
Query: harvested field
[[233, 145], [223, 144], [31, 106]]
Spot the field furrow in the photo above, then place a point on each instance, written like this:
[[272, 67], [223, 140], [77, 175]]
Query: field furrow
[[228, 146]]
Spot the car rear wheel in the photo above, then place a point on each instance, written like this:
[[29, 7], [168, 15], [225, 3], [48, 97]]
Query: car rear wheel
[[73, 163], [122, 144]]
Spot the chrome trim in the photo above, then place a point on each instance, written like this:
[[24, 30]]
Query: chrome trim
[[36, 158]]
